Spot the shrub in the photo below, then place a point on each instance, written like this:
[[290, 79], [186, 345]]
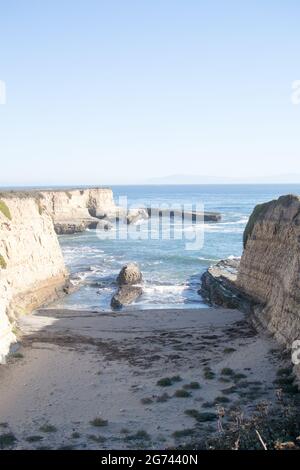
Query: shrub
[[181, 393], [99, 422], [5, 210], [192, 386], [227, 371], [3, 264]]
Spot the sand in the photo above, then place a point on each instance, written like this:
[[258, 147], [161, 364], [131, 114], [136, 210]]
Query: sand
[[75, 366]]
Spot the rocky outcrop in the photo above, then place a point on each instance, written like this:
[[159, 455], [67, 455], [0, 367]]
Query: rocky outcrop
[[130, 274], [270, 266], [184, 214], [128, 278], [32, 270], [134, 215], [75, 210], [218, 286], [125, 296], [267, 281]]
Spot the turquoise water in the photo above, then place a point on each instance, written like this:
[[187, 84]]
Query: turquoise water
[[171, 273]]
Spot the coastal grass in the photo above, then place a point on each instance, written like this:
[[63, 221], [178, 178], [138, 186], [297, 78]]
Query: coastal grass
[[99, 422], [5, 210], [3, 264]]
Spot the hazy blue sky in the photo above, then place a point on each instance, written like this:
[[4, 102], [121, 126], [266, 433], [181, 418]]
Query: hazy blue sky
[[119, 91]]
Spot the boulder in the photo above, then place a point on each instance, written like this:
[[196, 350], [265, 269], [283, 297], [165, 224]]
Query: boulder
[[130, 274], [218, 286], [134, 215], [125, 296]]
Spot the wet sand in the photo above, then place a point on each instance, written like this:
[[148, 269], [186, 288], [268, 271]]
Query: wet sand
[[74, 367]]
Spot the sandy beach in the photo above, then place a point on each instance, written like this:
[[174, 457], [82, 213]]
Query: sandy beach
[[86, 380]]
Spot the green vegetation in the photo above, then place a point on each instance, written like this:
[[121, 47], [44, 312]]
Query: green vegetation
[[284, 371], [98, 439], [192, 386], [238, 377], [201, 417], [163, 398], [278, 427], [227, 371], [183, 433], [139, 435], [34, 438], [146, 401], [17, 355], [48, 428], [220, 400], [3, 264], [40, 207], [208, 373], [228, 350], [98, 422], [168, 381], [208, 404], [7, 440], [5, 210], [176, 378], [181, 393], [124, 431]]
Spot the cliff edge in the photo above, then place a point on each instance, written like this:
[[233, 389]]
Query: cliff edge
[[266, 281], [32, 269]]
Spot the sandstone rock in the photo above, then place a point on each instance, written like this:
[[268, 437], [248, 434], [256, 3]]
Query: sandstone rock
[[269, 268], [218, 286], [130, 274], [134, 215], [69, 228], [125, 296], [35, 272]]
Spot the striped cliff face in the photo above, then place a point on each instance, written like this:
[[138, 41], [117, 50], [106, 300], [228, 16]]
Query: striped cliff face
[[32, 267], [269, 270]]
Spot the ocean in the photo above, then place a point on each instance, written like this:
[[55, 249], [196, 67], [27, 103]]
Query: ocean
[[171, 272]]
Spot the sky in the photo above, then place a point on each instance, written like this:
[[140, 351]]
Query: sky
[[120, 91]]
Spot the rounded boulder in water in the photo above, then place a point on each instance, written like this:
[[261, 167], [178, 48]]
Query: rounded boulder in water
[[130, 274]]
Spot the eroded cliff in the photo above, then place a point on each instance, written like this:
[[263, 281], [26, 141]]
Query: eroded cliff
[[267, 279], [269, 271], [32, 269]]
